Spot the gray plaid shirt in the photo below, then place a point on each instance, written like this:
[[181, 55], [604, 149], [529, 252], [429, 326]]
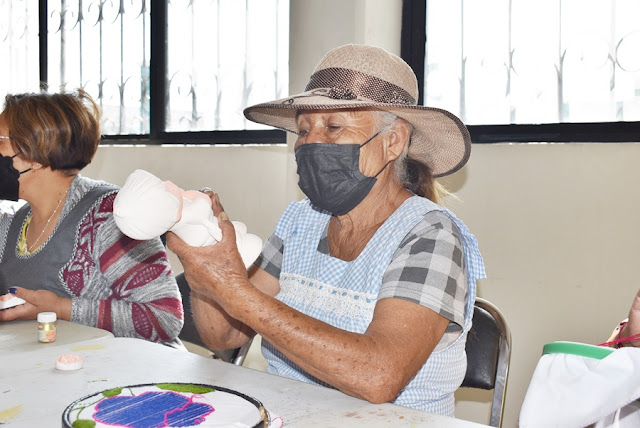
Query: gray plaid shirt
[[427, 268]]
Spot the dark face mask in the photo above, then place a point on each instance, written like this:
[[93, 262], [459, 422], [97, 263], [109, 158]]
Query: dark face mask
[[330, 175], [9, 175]]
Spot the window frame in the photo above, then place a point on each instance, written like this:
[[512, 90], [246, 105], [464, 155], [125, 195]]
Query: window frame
[[157, 87], [413, 41]]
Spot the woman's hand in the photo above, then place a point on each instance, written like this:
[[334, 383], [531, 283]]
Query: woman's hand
[[37, 301], [216, 271], [633, 324], [215, 201]]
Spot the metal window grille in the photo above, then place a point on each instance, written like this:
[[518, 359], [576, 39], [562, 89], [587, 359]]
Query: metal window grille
[[515, 70], [212, 59]]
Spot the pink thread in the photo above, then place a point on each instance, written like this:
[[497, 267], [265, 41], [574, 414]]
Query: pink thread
[[189, 401], [620, 340], [277, 422]]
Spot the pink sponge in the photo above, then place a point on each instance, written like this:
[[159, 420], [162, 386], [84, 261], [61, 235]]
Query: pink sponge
[[69, 362], [9, 301]]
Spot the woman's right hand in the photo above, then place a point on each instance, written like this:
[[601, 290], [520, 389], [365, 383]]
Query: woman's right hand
[[216, 271], [633, 324], [37, 301]]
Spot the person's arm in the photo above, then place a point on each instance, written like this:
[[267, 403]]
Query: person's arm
[[374, 366], [632, 327], [217, 329], [143, 299]]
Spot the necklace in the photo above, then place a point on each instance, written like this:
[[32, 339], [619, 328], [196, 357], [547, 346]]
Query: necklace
[[47, 224]]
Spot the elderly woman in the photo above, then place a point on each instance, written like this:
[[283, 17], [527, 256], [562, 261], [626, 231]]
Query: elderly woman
[[62, 251], [368, 285]]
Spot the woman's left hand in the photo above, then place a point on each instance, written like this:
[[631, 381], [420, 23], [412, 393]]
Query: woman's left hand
[[37, 301]]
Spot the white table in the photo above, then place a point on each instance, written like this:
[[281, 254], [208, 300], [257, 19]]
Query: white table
[[37, 393], [21, 336]]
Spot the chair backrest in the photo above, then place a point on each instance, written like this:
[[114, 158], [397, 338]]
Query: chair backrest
[[488, 355], [190, 333]]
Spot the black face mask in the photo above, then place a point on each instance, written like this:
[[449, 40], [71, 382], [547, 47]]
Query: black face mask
[[330, 175], [9, 175]]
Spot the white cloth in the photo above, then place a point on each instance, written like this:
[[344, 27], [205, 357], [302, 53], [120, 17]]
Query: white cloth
[[576, 391], [146, 207]]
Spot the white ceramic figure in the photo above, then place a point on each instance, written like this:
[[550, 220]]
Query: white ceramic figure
[[146, 207]]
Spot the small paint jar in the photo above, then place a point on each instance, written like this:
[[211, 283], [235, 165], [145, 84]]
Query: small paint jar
[[47, 327]]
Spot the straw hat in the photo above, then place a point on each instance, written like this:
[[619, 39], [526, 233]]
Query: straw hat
[[357, 76]]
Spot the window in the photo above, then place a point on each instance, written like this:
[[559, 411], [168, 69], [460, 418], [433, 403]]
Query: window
[[178, 71], [515, 70]]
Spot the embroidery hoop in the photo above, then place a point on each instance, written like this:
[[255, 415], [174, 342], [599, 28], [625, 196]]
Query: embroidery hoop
[[67, 419]]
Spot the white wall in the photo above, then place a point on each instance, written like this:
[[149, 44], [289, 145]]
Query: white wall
[[555, 222], [249, 180], [557, 227]]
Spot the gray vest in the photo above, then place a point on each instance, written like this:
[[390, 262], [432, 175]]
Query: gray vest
[[43, 269]]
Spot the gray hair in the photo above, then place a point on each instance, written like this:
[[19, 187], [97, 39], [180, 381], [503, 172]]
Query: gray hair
[[414, 174], [383, 121]]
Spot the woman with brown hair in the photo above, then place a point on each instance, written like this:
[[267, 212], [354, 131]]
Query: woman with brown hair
[[62, 251]]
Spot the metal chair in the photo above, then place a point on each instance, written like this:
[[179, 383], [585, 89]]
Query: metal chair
[[488, 355], [190, 333]]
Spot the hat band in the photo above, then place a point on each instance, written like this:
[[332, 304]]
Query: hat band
[[345, 84]]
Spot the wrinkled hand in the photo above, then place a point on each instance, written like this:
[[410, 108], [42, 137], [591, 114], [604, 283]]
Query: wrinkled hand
[[37, 301], [216, 271]]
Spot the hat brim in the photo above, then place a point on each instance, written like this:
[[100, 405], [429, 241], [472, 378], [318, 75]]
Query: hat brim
[[440, 139]]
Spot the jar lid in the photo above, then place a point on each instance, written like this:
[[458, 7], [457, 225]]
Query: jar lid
[[47, 317], [574, 348]]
